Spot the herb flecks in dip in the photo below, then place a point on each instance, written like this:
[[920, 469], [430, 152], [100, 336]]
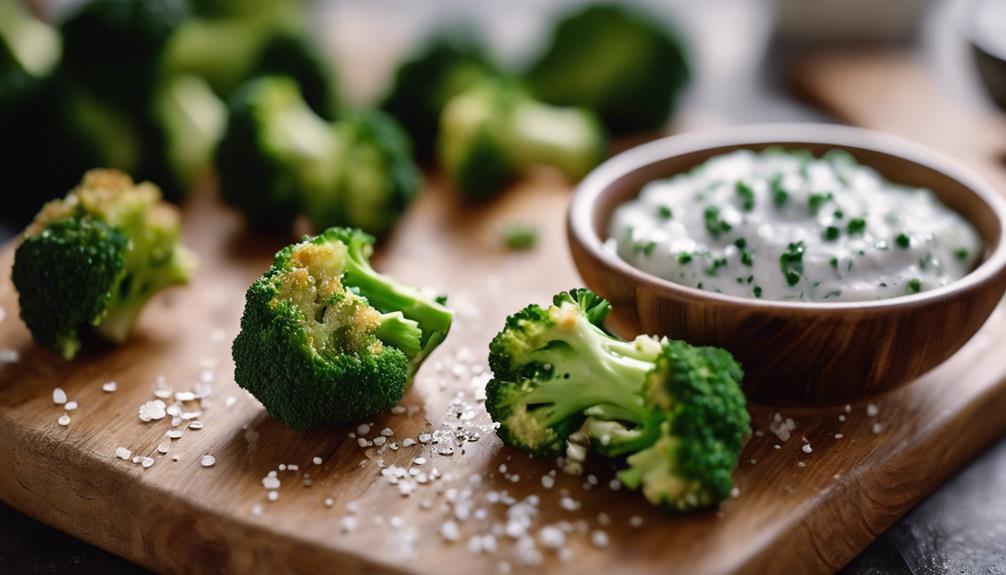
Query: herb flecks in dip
[[784, 225]]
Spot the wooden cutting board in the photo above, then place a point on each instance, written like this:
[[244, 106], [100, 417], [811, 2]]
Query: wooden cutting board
[[796, 511]]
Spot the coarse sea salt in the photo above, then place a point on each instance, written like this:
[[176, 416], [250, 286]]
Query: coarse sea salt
[[58, 396], [109, 386], [123, 453], [152, 411], [63, 420], [207, 460], [70, 406]]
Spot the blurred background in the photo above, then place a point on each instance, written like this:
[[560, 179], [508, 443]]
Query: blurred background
[[145, 87]]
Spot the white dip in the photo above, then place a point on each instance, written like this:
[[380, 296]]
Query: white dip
[[784, 225]]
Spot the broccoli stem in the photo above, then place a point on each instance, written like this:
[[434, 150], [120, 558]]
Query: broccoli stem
[[592, 369], [397, 331], [564, 138]]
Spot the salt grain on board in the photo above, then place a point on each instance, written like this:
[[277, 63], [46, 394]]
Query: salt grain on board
[[58, 396], [152, 411], [70, 406], [63, 420], [123, 453], [109, 387], [207, 460]]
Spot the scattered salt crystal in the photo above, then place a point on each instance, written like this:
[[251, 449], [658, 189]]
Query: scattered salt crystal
[[9, 356], [387, 432], [109, 387], [174, 433], [380, 440], [272, 496], [877, 428], [137, 458], [207, 460], [349, 523], [147, 462], [184, 396], [362, 442], [450, 531], [70, 406], [164, 447], [569, 504], [329, 502], [174, 410], [635, 522], [801, 464], [551, 537], [871, 410], [839, 436], [408, 442], [58, 396], [806, 448], [599, 538], [196, 425], [398, 409], [63, 420], [735, 492], [362, 429], [848, 408], [425, 437], [230, 401], [419, 461], [841, 417], [614, 485], [316, 461], [547, 481], [271, 482], [123, 453], [152, 411], [257, 510]]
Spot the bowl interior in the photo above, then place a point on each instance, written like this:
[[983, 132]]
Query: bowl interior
[[956, 193]]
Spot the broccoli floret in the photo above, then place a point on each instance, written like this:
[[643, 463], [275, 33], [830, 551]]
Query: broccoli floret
[[495, 130], [623, 65], [674, 411], [278, 158], [293, 55], [326, 340], [443, 67], [93, 259]]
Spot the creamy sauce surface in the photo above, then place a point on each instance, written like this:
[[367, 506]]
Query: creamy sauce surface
[[784, 225]]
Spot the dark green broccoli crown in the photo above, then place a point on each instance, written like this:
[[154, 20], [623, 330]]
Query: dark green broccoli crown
[[94, 258], [446, 65], [115, 47], [494, 130], [594, 306], [623, 65], [697, 390], [256, 159], [65, 276], [291, 54], [375, 177]]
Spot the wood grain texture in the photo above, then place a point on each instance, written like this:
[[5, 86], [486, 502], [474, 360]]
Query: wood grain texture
[[179, 517]]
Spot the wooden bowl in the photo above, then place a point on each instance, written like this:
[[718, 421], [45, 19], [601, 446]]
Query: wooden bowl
[[797, 352]]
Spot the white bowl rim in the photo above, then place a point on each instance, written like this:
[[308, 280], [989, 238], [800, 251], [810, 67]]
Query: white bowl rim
[[584, 200]]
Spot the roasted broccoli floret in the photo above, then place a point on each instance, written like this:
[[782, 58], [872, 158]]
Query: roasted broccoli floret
[[326, 340], [495, 130], [92, 260], [443, 67], [278, 158], [625, 66], [675, 412]]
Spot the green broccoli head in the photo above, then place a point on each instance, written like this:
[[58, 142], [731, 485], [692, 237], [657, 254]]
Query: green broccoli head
[[494, 130], [624, 66], [375, 178], [93, 260], [704, 423], [674, 411], [278, 158], [443, 67], [115, 49], [321, 340]]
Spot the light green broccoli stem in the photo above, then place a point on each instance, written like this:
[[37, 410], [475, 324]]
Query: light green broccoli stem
[[566, 138], [603, 372], [397, 331]]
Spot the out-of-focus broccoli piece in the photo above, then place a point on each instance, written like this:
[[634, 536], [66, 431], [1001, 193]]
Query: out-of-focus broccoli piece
[[519, 236], [326, 340], [92, 260], [625, 66], [278, 158], [295, 56], [443, 67], [235, 9], [26, 43], [675, 411], [115, 49], [495, 130]]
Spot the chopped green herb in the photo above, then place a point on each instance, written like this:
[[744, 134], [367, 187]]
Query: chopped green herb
[[779, 194], [831, 233], [757, 291], [746, 194], [520, 236], [816, 200], [715, 225], [834, 262], [649, 247], [832, 294], [961, 254], [839, 214], [914, 285], [903, 240], [856, 226], [741, 243], [791, 262], [665, 213], [750, 279], [747, 257], [684, 258], [715, 266]]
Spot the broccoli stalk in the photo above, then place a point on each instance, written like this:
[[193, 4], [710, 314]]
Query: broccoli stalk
[[676, 411], [495, 130], [26, 43], [321, 341], [94, 259], [278, 157]]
